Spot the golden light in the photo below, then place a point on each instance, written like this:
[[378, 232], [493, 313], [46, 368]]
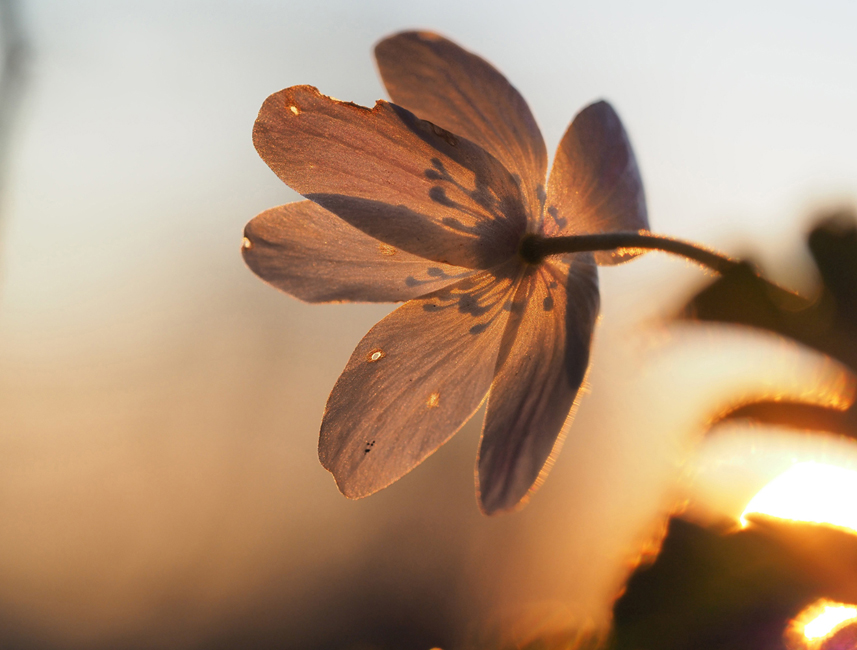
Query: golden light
[[810, 492], [819, 622], [831, 618]]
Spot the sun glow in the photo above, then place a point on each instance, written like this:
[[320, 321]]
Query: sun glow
[[831, 618], [809, 492], [818, 623]]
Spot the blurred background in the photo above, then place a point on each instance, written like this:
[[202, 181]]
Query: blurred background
[[159, 405]]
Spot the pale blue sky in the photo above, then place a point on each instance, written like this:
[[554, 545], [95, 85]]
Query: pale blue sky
[[134, 149]]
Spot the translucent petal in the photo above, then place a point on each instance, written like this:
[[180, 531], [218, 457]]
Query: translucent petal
[[459, 91], [397, 178], [595, 185], [306, 251], [542, 364], [413, 380]]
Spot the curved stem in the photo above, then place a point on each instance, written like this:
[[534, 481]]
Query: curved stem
[[534, 248]]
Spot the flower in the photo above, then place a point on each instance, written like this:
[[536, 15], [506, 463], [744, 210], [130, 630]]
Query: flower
[[428, 200]]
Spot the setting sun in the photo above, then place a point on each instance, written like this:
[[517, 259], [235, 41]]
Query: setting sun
[[809, 492], [819, 623], [832, 617]]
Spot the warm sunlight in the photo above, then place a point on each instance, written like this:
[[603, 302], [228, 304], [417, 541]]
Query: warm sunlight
[[832, 617], [810, 492], [819, 622]]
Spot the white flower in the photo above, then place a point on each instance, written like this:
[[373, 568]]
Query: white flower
[[428, 200]]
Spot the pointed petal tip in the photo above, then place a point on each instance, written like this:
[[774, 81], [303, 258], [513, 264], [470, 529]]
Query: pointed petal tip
[[600, 105], [499, 507], [603, 112], [497, 500], [387, 412], [348, 488], [309, 253], [533, 399], [246, 244], [352, 484], [290, 103], [424, 35], [595, 178], [349, 491], [499, 497], [461, 92]]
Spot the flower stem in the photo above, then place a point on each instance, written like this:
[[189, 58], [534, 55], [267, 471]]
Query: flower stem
[[535, 248]]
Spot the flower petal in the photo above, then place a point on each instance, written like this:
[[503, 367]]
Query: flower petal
[[459, 91], [397, 178], [542, 364], [306, 251], [413, 380], [595, 185]]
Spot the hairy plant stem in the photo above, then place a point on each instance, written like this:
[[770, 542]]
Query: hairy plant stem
[[534, 248]]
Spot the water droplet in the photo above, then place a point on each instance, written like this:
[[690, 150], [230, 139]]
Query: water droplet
[[386, 249], [295, 110], [433, 400], [375, 355], [246, 244]]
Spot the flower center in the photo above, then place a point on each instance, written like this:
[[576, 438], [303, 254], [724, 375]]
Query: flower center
[[530, 250]]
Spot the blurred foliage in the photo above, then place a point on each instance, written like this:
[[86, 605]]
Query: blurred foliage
[[711, 589], [827, 323], [718, 589]]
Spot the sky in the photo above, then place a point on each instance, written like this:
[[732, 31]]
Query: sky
[[158, 474]]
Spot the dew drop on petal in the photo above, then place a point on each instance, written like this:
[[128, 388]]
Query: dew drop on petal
[[295, 110], [246, 244], [386, 249], [433, 400], [375, 355]]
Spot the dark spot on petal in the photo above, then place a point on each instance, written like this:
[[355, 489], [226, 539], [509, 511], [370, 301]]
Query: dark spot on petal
[[438, 195], [554, 213]]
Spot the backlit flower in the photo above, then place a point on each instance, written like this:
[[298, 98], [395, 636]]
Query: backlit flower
[[428, 200]]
